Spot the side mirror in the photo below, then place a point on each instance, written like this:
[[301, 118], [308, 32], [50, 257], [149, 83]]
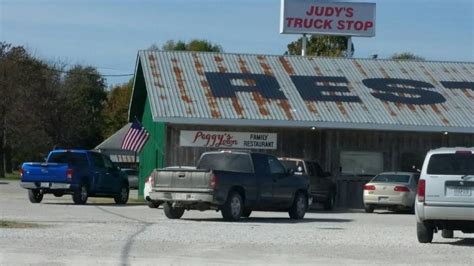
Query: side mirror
[[299, 169]]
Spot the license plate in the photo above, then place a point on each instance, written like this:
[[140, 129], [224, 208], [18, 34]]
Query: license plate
[[44, 184], [383, 198], [183, 196], [462, 192]]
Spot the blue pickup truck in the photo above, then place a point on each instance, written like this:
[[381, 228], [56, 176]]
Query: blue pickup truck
[[80, 173]]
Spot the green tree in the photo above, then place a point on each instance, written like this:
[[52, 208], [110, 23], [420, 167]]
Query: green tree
[[332, 46], [196, 45], [27, 89], [406, 56], [83, 96], [115, 111]]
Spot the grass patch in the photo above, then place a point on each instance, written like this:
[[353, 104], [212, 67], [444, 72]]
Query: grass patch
[[12, 176], [16, 225]]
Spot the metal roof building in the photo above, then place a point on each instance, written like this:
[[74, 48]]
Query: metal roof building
[[210, 88], [355, 116]]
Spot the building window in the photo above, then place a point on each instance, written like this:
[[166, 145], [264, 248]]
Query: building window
[[361, 163]]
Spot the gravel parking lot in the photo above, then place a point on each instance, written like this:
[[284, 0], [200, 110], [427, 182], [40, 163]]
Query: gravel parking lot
[[102, 233]]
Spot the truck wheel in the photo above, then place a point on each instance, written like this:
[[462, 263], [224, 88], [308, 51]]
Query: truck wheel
[[81, 194], [35, 195], [246, 213], [58, 194], [122, 197], [233, 207], [424, 233], [153, 204], [445, 233], [369, 208], [329, 203], [299, 207], [172, 212]]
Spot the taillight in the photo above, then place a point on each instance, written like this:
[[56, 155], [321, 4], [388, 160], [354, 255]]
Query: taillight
[[213, 182], [369, 187], [21, 172], [401, 189], [421, 190], [69, 174], [152, 181]]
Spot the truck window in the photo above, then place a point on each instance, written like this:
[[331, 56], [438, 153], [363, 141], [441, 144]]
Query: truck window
[[260, 163], [289, 164], [276, 168], [451, 164], [310, 167], [72, 158], [97, 160], [107, 162], [232, 162], [318, 170]]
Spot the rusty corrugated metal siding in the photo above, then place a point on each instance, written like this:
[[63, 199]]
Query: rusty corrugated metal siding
[[179, 89]]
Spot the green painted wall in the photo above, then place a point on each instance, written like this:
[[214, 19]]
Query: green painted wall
[[152, 154]]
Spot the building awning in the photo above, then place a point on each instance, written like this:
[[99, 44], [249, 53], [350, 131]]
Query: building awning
[[295, 91], [112, 146]]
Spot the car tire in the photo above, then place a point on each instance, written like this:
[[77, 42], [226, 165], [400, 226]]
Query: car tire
[[35, 195], [299, 206], [58, 194], [445, 233], [81, 195], [153, 204], [329, 203], [246, 213], [424, 233], [122, 197], [369, 208], [233, 208], [172, 212]]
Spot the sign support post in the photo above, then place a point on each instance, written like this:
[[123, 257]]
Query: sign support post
[[303, 46], [349, 47]]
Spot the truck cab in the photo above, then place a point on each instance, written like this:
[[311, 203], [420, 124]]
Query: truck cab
[[322, 187]]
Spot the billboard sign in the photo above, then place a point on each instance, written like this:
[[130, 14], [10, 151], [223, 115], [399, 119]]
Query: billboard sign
[[328, 18], [228, 140]]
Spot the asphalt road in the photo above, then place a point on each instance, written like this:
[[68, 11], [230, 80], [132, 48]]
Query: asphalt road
[[101, 233]]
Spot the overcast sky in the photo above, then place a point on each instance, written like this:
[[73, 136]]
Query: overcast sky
[[108, 33]]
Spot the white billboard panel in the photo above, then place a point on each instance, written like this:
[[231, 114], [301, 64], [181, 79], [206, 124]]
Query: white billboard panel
[[329, 18], [223, 140]]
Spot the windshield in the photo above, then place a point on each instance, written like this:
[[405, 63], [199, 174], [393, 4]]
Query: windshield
[[391, 178], [289, 164], [74, 159], [451, 164], [226, 162]]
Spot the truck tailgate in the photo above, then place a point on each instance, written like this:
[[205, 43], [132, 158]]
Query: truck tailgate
[[181, 180], [45, 172]]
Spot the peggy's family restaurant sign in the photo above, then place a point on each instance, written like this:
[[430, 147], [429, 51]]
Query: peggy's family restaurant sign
[[221, 139]]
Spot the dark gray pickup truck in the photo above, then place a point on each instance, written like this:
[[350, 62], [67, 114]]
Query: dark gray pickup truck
[[236, 183]]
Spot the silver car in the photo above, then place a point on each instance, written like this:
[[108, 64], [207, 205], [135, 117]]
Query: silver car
[[391, 190], [445, 199]]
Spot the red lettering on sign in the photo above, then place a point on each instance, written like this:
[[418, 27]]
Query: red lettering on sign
[[349, 12], [215, 140]]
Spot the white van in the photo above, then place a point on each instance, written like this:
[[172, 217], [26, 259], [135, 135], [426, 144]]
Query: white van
[[445, 198]]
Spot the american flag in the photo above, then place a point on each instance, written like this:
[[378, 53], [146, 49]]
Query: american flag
[[135, 138]]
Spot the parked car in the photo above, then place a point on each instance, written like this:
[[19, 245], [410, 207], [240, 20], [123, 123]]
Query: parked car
[[149, 185], [236, 183], [80, 173], [445, 198], [132, 175], [322, 185], [392, 190]]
